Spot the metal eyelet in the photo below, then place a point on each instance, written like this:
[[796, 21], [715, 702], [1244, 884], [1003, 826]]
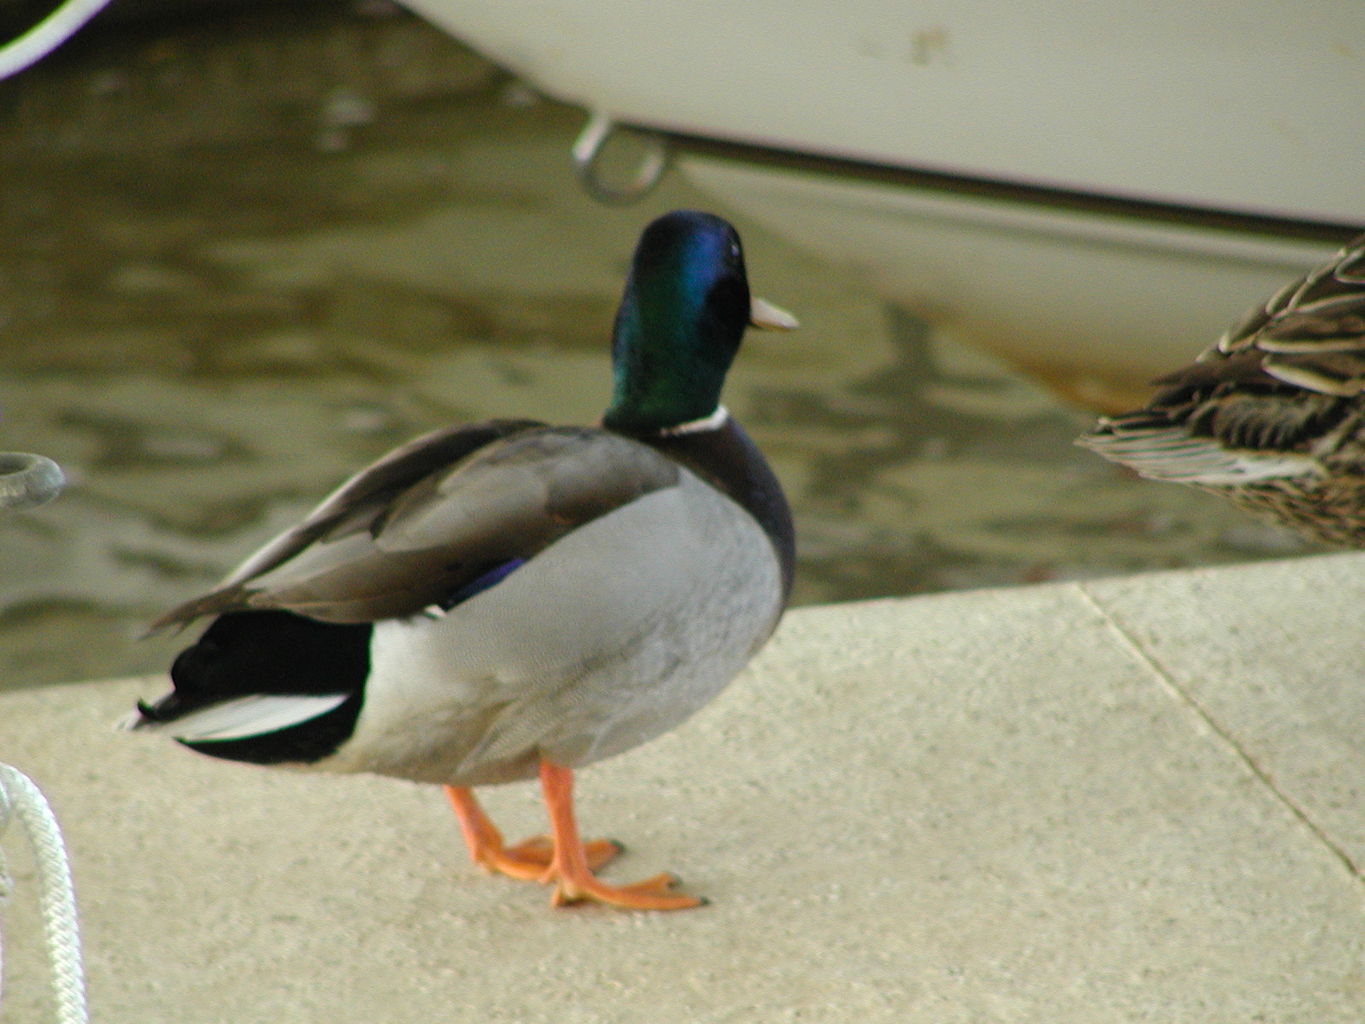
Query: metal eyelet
[[587, 152]]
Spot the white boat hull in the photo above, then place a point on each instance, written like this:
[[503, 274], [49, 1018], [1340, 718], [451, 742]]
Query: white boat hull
[[1249, 112], [1096, 307]]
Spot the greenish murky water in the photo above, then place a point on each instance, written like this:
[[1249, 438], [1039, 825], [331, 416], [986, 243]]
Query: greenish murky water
[[241, 258]]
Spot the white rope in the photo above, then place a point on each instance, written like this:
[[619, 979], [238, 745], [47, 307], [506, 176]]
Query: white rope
[[47, 35], [57, 899]]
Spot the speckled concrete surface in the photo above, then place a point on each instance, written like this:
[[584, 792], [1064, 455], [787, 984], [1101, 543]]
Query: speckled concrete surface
[[1135, 799]]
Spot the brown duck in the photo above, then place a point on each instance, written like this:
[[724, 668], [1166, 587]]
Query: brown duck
[[1273, 416]]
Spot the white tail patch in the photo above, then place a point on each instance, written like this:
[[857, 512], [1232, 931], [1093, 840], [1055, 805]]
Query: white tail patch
[[255, 715]]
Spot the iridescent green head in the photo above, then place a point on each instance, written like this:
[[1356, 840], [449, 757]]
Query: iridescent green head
[[684, 311]]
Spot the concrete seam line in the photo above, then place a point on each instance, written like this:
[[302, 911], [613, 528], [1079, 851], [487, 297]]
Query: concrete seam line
[[1183, 696]]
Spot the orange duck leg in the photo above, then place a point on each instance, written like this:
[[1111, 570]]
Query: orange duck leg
[[562, 858]]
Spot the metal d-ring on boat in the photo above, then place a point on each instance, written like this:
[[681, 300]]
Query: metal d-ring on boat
[[27, 481], [587, 152]]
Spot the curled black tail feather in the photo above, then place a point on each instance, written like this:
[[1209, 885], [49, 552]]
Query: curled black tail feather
[[270, 653]]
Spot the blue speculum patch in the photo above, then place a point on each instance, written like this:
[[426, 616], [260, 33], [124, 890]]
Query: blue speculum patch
[[490, 578]]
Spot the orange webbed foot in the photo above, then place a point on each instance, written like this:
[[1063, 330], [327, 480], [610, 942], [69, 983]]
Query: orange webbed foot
[[572, 873], [651, 894], [540, 850], [560, 859], [527, 860]]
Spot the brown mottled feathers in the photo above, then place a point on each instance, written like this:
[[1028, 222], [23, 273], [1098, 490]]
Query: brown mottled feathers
[[1273, 415]]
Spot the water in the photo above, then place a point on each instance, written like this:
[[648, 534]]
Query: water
[[243, 257]]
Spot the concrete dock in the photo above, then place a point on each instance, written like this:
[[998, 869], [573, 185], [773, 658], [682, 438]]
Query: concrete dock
[[1132, 799]]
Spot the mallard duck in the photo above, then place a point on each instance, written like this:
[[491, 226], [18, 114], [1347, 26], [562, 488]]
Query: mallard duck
[[1273, 415], [507, 599]]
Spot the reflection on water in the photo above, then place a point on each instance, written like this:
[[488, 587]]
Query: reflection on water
[[242, 260]]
